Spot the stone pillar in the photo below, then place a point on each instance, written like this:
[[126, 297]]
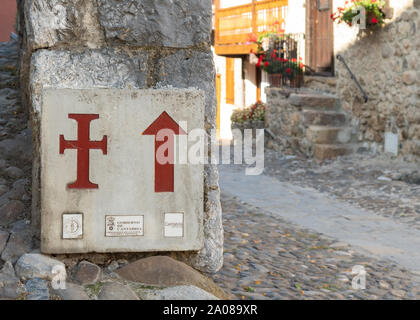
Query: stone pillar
[[123, 44]]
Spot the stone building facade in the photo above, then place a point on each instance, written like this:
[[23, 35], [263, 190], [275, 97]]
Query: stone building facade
[[123, 44], [386, 61]]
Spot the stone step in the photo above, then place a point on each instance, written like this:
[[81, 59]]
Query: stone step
[[323, 118], [328, 135], [314, 101], [331, 151]]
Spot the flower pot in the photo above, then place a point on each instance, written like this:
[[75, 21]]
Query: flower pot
[[258, 124], [275, 80], [296, 81], [247, 125], [237, 125]]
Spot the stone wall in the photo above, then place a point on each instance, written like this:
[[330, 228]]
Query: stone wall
[[387, 63], [123, 44]]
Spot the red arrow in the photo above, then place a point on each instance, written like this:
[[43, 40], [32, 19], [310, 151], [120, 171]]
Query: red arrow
[[164, 173]]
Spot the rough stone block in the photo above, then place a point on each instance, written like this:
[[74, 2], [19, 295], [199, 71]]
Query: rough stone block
[[34, 265], [10, 212], [20, 242], [329, 151], [51, 23], [116, 291], [165, 271], [87, 273], [176, 24], [190, 69], [10, 286], [37, 289], [318, 118], [105, 68], [317, 101], [71, 292], [328, 135]]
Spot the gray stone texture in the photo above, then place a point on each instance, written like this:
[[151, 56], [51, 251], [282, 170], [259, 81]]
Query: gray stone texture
[[37, 289], [176, 24], [4, 235], [87, 273], [123, 44], [101, 68], [34, 265], [165, 271], [116, 291], [178, 293], [71, 292], [20, 242], [10, 212], [51, 23], [10, 286]]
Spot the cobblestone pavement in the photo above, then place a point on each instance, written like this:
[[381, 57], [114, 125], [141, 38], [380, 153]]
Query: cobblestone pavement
[[267, 258], [15, 159], [382, 184]]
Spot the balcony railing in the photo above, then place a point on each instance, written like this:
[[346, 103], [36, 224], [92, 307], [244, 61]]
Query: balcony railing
[[233, 26]]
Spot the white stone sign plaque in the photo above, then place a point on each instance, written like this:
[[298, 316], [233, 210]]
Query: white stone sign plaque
[[102, 187]]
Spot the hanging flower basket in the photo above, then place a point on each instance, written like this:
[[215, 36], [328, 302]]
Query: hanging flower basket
[[356, 11]]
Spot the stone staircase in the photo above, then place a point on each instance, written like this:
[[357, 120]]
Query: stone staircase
[[326, 124]]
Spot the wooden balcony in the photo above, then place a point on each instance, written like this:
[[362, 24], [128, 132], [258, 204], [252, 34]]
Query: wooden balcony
[[234, 25]]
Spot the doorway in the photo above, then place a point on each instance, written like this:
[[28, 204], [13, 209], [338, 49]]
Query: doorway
[[320, 37]]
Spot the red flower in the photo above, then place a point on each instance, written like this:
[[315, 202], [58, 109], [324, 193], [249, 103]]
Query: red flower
[[374, 20], [266, 64], [288, 71]]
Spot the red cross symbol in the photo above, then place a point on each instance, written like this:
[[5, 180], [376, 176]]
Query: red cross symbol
[[83, 145]]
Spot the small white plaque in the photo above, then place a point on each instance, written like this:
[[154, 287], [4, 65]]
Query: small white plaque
[[174, 225], [124, 226], [391, 143], [72, 226]]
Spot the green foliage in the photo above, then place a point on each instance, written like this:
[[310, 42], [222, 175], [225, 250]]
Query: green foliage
[[373, 8], [256, 112]]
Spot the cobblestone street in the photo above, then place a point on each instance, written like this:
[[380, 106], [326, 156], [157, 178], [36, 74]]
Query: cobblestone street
[[380, 183], [268, 258]]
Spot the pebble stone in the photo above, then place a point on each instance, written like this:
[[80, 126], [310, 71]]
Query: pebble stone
[[277, 260]]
